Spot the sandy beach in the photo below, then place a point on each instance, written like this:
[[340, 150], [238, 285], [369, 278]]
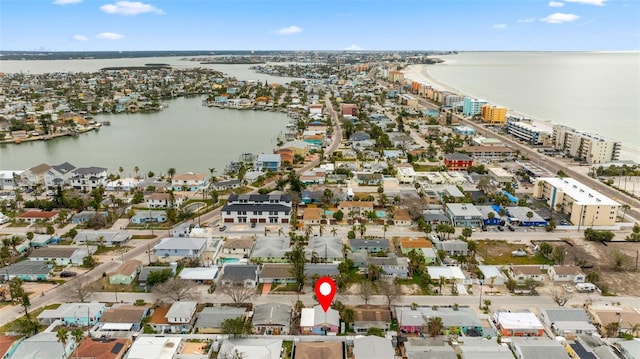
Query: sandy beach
[[420, 73]]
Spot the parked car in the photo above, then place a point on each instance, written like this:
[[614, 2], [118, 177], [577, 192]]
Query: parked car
[[500, 228], [253, 224], [222, 228], [511, 228], [67, 274]]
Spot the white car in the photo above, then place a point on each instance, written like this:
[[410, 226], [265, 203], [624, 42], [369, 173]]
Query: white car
[[567, 288]]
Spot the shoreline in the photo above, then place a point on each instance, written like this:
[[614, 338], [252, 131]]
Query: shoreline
[[420, 73]]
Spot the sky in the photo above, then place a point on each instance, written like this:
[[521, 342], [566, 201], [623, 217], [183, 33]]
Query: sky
[[463, 25]]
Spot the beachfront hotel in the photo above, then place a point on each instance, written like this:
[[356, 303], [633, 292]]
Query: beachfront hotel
[[584, 205], [585, 146], [472, 107], [493, 114], [530, 132]]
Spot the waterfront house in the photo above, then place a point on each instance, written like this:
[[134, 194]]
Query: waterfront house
[[315, 321], [568, 273], [59, 175], [163, 200], [209, 320], [34, 175], [142, 217], [89, 178], [226, 185], [287, 156], [257, 208], [239, 275], [9, 180], [28, 271], [188, 182], [371, 316], [122, 185], [268, 162], [104, 238], [72, 314], [126, 273], [455, 320], [44, 346], [180, 247], [518, 324], [32, 217], [62, 256], [299, 147], [271, 319]]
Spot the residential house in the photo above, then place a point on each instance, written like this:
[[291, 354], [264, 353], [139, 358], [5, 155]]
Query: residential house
[[145, 271], [120, 318], [201, 275], [190, 182], [209, 320], [492, 275], [239, 275], [104, 238], [455, 320], [522, 273], [277, 273], [624, 316], [312, 271], [392, 265], [369, 179], [160, 347], [126, 273], [89, 178], [44, 345], [490, 215], [349, 110], [240, 246], [373, 347], [567, 273], [435, 217], [86, 216], [324, 249], [518, 324], [464, 215], [430, 348], [407, 244], [99, 348], [34, 175], [567, 321], [355, 209], [180, 247], [251, 348], [457, 161], [271, 249], [62, 256], [287, 156], [142, 217], [315, 350], [371, 316], [10, 180], [227, 184], [268, 162], [312, 216], [180, 317], [370, 245], [401, 217], [430, 256], [535, 348], [449, 273], [481, 348], [32, 217], [454, 247], [256, 208], [163, 200], [59, 175], [28, 271], [271, 319], [299, 147], [315, 321], [73, 314]]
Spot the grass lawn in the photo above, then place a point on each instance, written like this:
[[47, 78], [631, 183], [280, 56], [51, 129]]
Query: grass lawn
[[19, 224], [288, 347], [499, 253], [143, 236], [291, 287], [102, 285], [33, 314]]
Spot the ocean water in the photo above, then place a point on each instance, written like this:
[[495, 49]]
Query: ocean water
[[597, 92]]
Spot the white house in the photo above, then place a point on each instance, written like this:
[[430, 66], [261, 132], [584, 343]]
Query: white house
[[568, 273], [89, 178], [188, 182], [181, 314], [257, 208], [162, 200]]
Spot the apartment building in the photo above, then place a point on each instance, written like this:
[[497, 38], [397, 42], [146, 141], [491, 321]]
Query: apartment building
[[532, 133], [472, 107], [585, 146], [584, 205], [493, 114], [257, 208]]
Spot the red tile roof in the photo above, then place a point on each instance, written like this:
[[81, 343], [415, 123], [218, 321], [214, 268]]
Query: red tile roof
[[38, 214]]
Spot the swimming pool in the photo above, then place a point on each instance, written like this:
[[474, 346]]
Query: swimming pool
[[381, 214]]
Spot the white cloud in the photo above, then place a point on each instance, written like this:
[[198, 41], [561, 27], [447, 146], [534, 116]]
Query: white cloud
[[559, 18], [500, 26], [109, 36], [588, 2], [353, 48], [526, 20], [80, 38], [66, 2], [130, 8], [289, 30], [556, 4]]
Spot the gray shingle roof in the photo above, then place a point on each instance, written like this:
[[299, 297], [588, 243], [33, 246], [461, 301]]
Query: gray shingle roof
[[212, 317], [28, 267], [271, 314], [239, 272]]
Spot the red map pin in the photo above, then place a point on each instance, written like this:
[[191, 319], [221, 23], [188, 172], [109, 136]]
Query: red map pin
[[325, 291]]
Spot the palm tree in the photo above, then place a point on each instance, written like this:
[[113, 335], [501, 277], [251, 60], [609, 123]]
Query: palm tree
[[212, 170], [362, 228], [384, 230], [171, 172], [634, 329], [625, 207], [136, 169], [345, 250], [434, 326], [334, 231], [374, 272], [121, 170], [78, 335], [612, 329], [442, 281], [347, 315], [62, 336]]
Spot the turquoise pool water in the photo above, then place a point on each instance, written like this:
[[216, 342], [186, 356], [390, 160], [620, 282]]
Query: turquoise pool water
[[228, 260], [328, 213], [381, 214]]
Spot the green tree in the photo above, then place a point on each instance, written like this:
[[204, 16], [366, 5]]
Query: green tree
[[15, 289], [236, 326], [434, 326], [297, 259], [158, 277], [78, 335], [417, 263], [63, 336], [338, 216], [546, 249], [347, 315], [467, 232], [375, 331]]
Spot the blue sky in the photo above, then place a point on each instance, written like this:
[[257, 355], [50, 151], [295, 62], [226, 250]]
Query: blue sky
[[88, 25]]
